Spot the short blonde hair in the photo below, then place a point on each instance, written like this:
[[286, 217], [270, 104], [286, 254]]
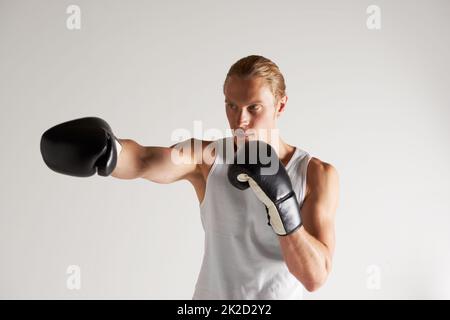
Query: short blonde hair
[[259, 66]]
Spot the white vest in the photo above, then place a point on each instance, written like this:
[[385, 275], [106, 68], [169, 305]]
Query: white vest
[[242, 258]]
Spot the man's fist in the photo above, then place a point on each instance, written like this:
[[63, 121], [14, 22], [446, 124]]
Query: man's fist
[[257, 165], [80, 147]]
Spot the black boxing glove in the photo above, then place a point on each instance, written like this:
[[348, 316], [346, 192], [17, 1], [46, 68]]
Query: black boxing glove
[[257, 165], [80, 147]]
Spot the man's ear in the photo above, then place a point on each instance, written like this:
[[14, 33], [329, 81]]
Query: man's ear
[[281, 105]]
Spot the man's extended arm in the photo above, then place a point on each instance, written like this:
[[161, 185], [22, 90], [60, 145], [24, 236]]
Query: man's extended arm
[[86, 146]]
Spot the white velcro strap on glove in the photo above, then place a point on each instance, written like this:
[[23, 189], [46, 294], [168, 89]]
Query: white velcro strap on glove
[[275, 219]]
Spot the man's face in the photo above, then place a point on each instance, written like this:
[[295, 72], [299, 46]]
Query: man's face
[[251, 106]]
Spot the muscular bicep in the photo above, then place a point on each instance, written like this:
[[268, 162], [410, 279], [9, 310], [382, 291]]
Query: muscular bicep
[[157, 164], [320, 204], [174, 163]]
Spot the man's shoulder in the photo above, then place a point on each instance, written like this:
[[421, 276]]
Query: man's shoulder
[[210, 148], [319, 167], [206, 154], [321, 175]]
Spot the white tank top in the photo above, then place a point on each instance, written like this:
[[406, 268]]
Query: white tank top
[[243, 258]]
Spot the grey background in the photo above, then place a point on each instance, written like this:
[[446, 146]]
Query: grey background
[[375, 104]]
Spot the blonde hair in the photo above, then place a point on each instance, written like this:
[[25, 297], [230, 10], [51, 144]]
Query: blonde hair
[[259, 66]]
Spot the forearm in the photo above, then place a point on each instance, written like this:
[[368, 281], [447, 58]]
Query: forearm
[[306, 258]]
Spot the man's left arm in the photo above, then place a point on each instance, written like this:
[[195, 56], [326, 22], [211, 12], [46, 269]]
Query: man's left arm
[[308, 251]]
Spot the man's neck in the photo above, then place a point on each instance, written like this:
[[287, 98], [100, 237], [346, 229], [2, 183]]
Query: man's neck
[[285, 152]]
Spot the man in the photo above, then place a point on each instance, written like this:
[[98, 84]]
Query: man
[[266, 237]]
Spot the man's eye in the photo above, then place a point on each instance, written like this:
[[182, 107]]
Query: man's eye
[[231, 106], [255, 108]]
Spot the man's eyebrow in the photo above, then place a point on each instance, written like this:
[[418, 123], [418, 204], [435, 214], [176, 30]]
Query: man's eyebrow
[[251, 103]]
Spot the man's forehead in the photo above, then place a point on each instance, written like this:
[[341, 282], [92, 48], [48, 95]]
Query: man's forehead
[[248, 84], [246, 91]]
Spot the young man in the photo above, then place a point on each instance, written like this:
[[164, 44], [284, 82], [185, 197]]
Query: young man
[[246, 255]]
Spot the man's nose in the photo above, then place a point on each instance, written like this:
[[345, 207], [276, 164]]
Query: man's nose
[[243, 118]]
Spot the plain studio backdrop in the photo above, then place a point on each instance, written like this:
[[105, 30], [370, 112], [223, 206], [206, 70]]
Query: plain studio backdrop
[[372, 102]]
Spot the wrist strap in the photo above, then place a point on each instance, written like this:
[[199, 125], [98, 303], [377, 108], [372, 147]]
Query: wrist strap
[[118, 146]]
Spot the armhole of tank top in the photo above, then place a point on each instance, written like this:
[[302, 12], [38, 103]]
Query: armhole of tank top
[[304, 174], [213, 166]]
